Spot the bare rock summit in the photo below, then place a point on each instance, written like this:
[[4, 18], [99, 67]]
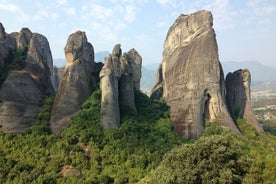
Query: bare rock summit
[[239, 99], [119, 78], [190, 77], [26, 69], [78, 81]]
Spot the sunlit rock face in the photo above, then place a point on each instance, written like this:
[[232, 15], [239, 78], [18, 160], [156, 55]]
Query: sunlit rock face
[[120, 77], [24, 88], [190, 77], [78, 80], [238, 97]]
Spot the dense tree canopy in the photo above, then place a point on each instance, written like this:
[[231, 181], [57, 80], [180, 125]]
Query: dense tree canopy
[[144, 149]]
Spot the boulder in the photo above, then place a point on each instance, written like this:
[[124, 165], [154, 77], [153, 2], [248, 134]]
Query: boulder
[[239, 99], [192, 78], [77, 83]]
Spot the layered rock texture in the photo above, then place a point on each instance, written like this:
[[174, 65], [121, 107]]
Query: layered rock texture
[[26, 67], [78, 81], [238, 97], [190, 77], [119, 78]]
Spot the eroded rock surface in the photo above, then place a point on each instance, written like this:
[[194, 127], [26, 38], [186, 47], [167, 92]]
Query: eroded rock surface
[[120, 77], [238, 97], [192, 78], [78, 81], [24, 87]]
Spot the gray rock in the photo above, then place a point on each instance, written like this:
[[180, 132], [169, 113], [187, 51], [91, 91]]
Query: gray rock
[[24, 37], [192, 77], [7, 46], [126, 84], [238, 97], [23, 90], [120, 77], [55, 78], [109, 83], [77, 83], [135, 62]]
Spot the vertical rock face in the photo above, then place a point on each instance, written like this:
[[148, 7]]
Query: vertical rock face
[[7, 45], [110, 75], [120, 77], [78, 81], [24, 88], [135, 61], [238, 97], [192, 77]]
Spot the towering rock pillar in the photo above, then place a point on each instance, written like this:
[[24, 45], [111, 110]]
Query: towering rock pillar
[[120, 77], [192, 78], [110, 75], [78, 81], [238, 97]]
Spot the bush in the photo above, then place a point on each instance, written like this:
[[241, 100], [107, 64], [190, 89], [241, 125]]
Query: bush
[[213, 159]]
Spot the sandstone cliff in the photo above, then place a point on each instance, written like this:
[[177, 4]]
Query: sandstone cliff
[[238, 97], [27, 78], [79, 79], [191, 77], [120, 77]]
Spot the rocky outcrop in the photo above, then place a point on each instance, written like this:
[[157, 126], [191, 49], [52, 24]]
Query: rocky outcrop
[[25, 87], [79, 80], [192, 78], [7, 46], [238, 97], [110, 75], [120, 77]]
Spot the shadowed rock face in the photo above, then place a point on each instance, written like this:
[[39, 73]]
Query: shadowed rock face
[[238, 97], [77, 83], [24, 89], [7, 45], [191, 77], [120, 77]]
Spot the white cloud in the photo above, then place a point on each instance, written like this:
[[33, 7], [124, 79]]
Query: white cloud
[[130, 13], [163, 2], [100, 12], [70, 11], [61, 2], [9, 7], [262, 7]]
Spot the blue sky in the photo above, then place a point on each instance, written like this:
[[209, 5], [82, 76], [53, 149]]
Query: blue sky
[[245, 29]]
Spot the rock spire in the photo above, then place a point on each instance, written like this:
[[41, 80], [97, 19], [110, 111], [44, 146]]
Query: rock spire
[[190, 77], [78, 81], [120, 77], [238, 97]]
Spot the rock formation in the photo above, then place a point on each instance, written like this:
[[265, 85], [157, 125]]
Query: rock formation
[[238, 97], [120, 77], [7, 45], [28, 78], [192, 78], [79, 80], [110, 75]]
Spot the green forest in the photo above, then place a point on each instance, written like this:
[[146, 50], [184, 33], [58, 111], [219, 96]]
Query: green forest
[[144, 150]]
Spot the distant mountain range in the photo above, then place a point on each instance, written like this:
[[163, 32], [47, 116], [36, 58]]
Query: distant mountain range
[[259, 73], [99, 57]]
